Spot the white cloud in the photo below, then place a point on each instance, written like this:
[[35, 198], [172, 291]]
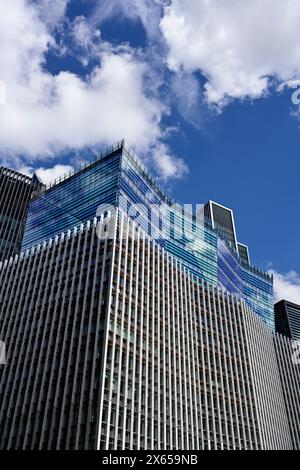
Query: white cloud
[[86, 40], [187, 92], [48, 175], [237, 45], [52, 11], [45, 114], [147, 11], [166, 164], [287, 286]]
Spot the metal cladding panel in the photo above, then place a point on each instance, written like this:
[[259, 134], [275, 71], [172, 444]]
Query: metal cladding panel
[[53, 303], [288, 357], [186, 366], [287, 319], [113, 343], [269, 396]]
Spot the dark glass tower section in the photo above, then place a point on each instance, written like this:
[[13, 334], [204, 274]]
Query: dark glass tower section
[[222, 221], [244, 254], [15, 193], [287, 319]]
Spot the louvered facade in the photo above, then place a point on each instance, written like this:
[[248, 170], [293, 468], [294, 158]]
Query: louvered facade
[[112, 343]]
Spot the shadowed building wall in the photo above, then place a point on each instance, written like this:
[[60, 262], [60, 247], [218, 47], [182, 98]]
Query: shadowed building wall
[[113, 343], [15, 193]]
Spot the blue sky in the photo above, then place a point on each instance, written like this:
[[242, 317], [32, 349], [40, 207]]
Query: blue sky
[[202, 91]]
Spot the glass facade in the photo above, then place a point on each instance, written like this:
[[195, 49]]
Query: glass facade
[[72, 201], [118, 178], [243, 253]]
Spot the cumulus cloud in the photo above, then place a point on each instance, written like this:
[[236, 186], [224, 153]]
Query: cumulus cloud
[[85, 40], [243, 49], [51, 11], [83, 32], [187, 93], [166, 164], [48, 175], [147, 11], [240, 47], [287, 286], [45, 114]]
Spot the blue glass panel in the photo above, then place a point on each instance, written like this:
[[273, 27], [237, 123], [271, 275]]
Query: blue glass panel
[[119, 179]]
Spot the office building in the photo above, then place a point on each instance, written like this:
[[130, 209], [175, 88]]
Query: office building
[[131, 323], [118, 178], [287, 319], [288, 357], [113, 343], [223, 222], [244, 254], [15, 193]]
